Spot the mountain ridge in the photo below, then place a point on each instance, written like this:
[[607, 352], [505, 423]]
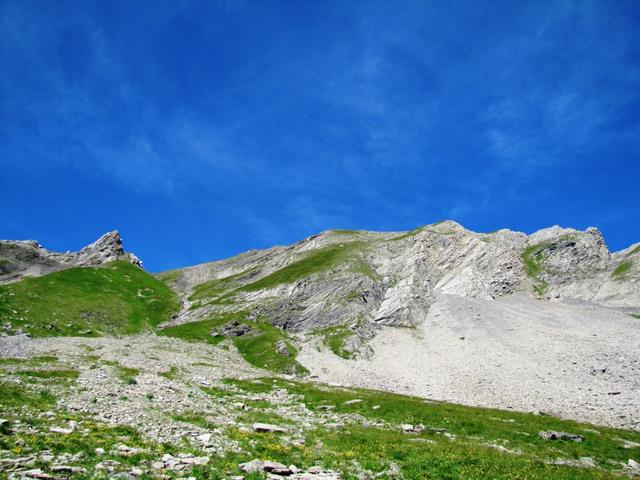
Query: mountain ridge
[[27, 258], [388, 278], [402, 272]]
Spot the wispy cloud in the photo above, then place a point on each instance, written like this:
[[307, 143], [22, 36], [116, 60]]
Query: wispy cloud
[[289, 118]]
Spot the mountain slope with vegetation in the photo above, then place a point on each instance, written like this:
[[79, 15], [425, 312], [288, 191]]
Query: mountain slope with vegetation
[[70, 412], [116, 298], [360, 281], [290, 362]]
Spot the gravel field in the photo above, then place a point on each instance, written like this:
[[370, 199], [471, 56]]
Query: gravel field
[[577, 362]]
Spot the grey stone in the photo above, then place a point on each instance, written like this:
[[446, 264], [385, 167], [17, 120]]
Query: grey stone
[[267, 427], [282, 348], [253, 466], [582, 462], [554, 435]]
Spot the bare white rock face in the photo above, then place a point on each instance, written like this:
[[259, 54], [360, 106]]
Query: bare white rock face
[[367, 279]]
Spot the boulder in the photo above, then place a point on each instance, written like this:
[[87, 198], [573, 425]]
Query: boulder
[[582, 462], [282, 348], [554, 435], [253, 466], [409, 428], [266, 428], [232, 329]]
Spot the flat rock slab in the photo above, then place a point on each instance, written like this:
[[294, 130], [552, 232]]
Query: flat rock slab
[[267, 427], [553, 435]]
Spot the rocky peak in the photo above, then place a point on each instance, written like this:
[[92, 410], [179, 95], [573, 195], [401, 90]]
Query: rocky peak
[[27, 258], [107, 248]]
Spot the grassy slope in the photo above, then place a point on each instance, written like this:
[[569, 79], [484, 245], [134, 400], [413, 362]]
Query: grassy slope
[[258, 347], [335, 338], [372, 437], [216, 287], [201, 331], [466, 457], [314, 262], [222, 291], [117, 298], [169, 277]]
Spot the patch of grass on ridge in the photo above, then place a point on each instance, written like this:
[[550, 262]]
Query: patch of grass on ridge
[[314, 261], [169, 277], [335, 338], [217, 287], [118, 298], [222, 290], [405, 235], [259, 349], [360, 265], [533, 258], [621, 270], [200, 331], [634, 251]]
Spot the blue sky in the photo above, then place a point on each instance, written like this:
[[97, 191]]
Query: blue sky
[[203, 129]]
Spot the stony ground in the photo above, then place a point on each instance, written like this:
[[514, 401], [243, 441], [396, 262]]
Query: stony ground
[[578, 362], [146, 406], [165, 389]]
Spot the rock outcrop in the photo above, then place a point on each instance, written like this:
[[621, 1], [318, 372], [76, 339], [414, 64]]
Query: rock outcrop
[[27, 258], [363, 280]]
